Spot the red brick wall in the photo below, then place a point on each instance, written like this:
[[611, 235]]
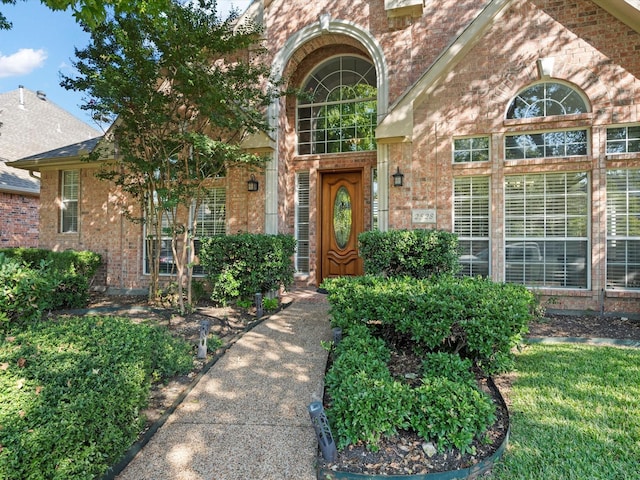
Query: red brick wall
[[18, 220], [592, 51], [105, 230]]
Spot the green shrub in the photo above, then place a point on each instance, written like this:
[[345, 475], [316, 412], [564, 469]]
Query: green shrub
[[239, 266], [366, 403], [35, 280], [24, 293], [416, 253], [450, 366], [452, 413], [481, 319], [81, 263], [71, 393]]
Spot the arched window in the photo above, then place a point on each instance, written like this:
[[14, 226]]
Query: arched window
[[338, 112], [545, 100]]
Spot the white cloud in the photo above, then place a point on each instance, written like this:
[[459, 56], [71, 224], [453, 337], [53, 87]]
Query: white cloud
[[22, 62]]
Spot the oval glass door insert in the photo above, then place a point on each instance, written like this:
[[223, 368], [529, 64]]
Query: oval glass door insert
[[342, 217]]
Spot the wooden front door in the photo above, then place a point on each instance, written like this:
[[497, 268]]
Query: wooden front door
[[341, 220]]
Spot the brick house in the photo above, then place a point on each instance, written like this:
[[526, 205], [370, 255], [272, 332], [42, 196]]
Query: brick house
[[514, 123], [30, 124]]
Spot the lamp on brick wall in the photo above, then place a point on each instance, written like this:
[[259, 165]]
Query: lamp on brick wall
[[252, 184], [398, 178]]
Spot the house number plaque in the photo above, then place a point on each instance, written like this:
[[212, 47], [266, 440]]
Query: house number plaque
[[423, 216]]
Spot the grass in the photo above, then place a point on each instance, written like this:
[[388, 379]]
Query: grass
[[71, 392], [575, 414]]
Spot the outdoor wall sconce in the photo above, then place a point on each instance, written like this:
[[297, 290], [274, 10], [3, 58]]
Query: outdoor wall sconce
[[252, 184], [397, 178]]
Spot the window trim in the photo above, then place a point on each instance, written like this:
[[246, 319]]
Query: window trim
[[543, 132], [64, 201], [577, 90], [622, 238], [311, 144], [524, 238], [301, 219], [470, 137], [473, 238], [626, 153]]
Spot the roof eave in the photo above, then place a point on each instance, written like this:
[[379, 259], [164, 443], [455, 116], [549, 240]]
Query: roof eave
[[627, 11]]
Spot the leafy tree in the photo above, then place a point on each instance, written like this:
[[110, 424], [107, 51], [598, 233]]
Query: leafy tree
[[94, 12], [183, 90]]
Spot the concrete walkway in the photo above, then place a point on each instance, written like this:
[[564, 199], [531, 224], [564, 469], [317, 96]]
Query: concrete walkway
[[247, 417]]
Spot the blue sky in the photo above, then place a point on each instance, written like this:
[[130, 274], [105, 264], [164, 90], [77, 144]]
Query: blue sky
[[41, 45]]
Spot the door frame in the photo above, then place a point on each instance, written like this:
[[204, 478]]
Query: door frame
[[319, 210]]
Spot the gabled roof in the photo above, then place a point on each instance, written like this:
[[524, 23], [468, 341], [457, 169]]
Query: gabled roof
[[398, 124], [32, 124]]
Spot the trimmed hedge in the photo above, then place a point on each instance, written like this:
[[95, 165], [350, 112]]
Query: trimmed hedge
[[476, 317], [416, 253], [456, 324], [368, 404], [81, 263], [239, 266]]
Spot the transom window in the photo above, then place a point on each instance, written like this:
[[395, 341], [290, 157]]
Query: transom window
[[473, 149], [546, 229], [69, 189], [623, 139], [623, 229], [339, 112], [545, 100], [565, 143]]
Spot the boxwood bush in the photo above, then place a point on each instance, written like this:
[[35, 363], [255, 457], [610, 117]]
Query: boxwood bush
[[367, 403], [416, 253], [458, 325], [481, 319], [71, 393], [239, 266]]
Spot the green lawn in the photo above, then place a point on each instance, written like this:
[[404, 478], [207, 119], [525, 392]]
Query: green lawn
[[575, 414]]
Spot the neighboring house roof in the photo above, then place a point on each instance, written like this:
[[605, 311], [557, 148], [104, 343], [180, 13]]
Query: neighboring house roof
[[13, 180], [32, 124]]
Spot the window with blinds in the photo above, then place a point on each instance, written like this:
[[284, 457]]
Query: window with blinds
[[472, 224], [211, 220], [302, 223], [623, 229], [546, 229], [69, 192]]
